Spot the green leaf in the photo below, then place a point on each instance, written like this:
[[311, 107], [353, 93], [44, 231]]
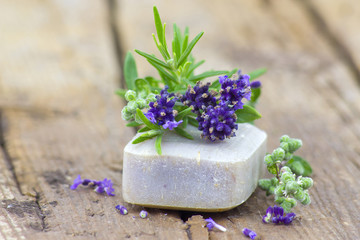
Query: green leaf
[[185, 43], [176, 43], [193, 122], [207, 74], [163, 71], [299, 166], [257, 73], [158, 25], [130, 71], [188, 50], [255, 94], [158, 144], [232, 72], [273, 169], [142, 85], [183, 113], [147, 135], [133, 124], [153, 59], [193, 67], [183, 133], [144, 129], [161, 48], [121, 92], [145, 120], [247, 114]]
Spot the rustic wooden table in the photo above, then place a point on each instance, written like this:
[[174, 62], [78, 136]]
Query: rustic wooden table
[[60, 63]]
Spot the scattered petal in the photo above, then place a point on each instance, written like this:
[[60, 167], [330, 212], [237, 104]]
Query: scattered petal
[[76, 183], [122, 209], [249, 233], [211, 224], [143, 214]]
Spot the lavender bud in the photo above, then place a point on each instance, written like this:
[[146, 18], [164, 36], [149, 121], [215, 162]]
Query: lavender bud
[[122, 209], [130, 95], [143, 214]]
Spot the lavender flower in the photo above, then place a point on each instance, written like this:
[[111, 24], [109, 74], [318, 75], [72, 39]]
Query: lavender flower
[[143, 214], [199, 97], [217, 122], [161, 112], [255, 84], [233, 91], [211, 224], [100, 186], [249, 233], [122, 209], [276, 215]]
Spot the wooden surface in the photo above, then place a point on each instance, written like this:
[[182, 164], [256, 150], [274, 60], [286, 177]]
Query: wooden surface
[[59, 68]]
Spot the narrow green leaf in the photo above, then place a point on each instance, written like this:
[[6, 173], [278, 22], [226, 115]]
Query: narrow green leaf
[[188, 50], [147, 135], [158, 25], [193, 67], [154, 59], [176, 43], [144, 129], [232, 72], [183, 133], [247, 114], [121, 92], [183, 113], [161, 48], [185, 41], [299, 166], [255, 94], [193, 122], [130, 71], [185, 122], [145, 120], [158, 144], [163, 71], [142, 85], [133, 124], [165, 44], [207, 74], [257, 73]]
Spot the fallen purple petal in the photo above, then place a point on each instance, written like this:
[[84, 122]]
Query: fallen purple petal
[[211, 224], [76, 183], [249, 233], [143, 214], [122, 209]]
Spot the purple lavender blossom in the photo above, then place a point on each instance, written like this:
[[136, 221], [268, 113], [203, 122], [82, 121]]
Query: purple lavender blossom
[[161, 112], [249, 233], [122, 209], [255, 84], [211, 224], [100, 186], [217, 122], [143, 214], [76, 183], [198, 97], [233, 91], [276, 214]]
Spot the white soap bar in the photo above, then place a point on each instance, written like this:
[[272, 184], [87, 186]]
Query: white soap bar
[[194, 174]]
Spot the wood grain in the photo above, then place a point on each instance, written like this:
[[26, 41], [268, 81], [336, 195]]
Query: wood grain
[[59, 116], [309, 93]]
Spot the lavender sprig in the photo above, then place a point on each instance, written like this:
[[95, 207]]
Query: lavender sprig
[[105, 185], [212, 224]]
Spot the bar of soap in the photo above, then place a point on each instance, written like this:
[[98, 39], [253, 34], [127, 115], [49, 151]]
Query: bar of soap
[[196, 175]]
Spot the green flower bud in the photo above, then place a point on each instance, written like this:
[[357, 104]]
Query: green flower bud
[[286, 206], [132, 106], [274, 181], [292, 201], [126, 115], [294, 144], [286, 177], [151, 97], [292, 187], [285, 169], [307, 200], [306, 182], [141, 103], [285, 146], [265, 184], [279, 200], [288, 156], [284, 138], [278, 154], [268, 160], [270, 191], [300, 195], [130, 95], [279, 190]]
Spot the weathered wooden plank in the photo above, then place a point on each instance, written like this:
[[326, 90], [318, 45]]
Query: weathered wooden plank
[[58, 75], [309, 93]]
